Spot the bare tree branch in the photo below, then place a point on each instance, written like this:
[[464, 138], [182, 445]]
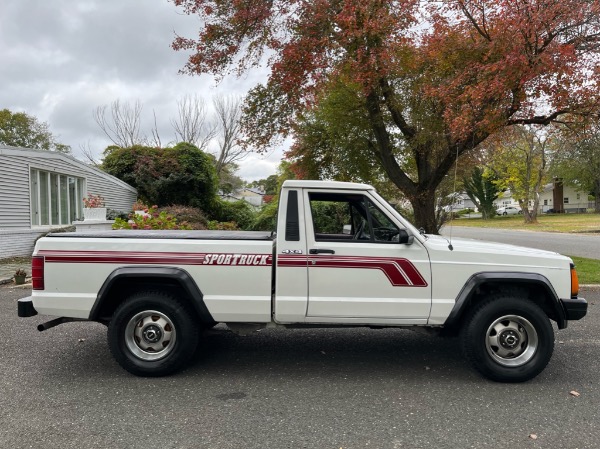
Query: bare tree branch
[[88, 154], [123, 126], [155, 136], [228, 114], [192, 124]]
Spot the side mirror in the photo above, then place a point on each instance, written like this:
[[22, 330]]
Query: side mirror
[[404, 237]]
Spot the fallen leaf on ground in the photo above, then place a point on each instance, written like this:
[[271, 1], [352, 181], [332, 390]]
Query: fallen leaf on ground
[[575, 393], [533, 436]]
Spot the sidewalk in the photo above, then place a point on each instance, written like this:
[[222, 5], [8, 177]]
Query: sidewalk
[[9, 266]]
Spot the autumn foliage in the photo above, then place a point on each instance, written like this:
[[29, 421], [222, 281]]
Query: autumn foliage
[[434, 79]]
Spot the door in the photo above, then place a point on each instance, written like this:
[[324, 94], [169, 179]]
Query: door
[[358, 271]]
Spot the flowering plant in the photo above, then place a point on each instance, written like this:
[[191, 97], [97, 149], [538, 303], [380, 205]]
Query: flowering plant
[[93, 201], [20, 272], [138, 205], [151, 220]]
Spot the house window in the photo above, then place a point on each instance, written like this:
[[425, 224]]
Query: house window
[[56, 199], [578, 196], [545, 202], [566, 201]]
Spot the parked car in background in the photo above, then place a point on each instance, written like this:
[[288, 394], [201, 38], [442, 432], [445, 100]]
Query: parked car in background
[[508, 210]]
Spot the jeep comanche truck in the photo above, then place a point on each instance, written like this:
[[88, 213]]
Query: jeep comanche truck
[[342, 257]]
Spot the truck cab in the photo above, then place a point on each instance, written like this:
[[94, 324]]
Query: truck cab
[[345, 256]]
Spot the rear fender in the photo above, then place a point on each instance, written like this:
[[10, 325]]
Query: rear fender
[[127, 276]]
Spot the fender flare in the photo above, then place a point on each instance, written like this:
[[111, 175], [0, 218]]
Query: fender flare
[[508, 278], [179, 275]]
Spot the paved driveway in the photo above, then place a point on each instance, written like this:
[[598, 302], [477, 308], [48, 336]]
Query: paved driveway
[[581, 245], [351, 388]]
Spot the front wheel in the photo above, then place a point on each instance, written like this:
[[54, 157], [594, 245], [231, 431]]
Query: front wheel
[[508, 339], [152, 334]]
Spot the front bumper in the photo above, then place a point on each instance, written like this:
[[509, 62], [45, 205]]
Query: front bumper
[[575, 308], [25, 307]]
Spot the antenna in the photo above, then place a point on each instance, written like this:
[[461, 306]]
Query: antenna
[[450, 247]]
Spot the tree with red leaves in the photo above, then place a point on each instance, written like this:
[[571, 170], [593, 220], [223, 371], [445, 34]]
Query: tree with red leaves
[[434, 79]]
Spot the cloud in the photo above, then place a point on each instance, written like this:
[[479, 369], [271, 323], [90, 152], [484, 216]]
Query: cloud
[[62, 59]]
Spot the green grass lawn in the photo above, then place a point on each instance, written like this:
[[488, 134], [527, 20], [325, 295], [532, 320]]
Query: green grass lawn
[[588, 270], [589, 223]]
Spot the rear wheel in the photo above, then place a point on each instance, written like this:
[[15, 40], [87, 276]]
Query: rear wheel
[[152, 334], [508, 339]]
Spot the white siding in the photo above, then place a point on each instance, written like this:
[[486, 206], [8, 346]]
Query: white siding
[[18, 243], [14, 194], [114, 195], [16, 234]]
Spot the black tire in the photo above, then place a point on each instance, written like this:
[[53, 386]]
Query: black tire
[[153, 334], [507, 338]]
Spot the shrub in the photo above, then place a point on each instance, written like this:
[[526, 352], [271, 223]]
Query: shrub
[[151, 220], [266, 220], [113, 214], [183, 174], [239, 212], [223, 225], [193, 216]]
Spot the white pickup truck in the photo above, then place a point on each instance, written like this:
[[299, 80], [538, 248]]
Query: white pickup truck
[[342, 257]]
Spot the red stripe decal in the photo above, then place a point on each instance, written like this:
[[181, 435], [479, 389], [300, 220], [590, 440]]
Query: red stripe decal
[[154, 258], [400, 272]]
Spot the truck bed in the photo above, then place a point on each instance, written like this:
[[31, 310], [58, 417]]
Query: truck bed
[[171, 234]]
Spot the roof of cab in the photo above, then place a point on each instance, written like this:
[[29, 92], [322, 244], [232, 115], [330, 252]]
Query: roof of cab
[[300, 184]]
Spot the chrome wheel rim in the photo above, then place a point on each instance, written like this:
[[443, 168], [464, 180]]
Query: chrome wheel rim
[[150, 335], [511, 340]]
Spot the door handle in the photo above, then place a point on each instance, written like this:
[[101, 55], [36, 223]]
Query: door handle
[[321, 251]]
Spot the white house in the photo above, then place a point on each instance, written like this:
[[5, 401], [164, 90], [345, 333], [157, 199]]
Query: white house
[[41, 190], [560, 197], [251, 196], [460, 201], [555, 196]]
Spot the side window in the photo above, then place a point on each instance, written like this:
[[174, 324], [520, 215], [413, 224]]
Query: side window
[[340, 217], [384, 230], [333, 219]]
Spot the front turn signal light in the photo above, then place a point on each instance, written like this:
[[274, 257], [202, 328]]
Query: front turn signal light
[[574, 282]]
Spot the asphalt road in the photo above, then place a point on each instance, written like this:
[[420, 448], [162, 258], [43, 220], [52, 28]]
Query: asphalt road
[[581, 245], [349, 388]]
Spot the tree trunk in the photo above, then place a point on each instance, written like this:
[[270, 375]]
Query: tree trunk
[[424, 209], [529, 217]]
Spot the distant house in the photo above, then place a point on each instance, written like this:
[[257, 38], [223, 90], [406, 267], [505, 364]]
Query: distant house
[[252, 196], [555, 196], [563, 198], [42, 190], [460, 201]]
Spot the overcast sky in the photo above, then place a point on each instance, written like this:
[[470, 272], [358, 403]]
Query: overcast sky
[[61, 59]]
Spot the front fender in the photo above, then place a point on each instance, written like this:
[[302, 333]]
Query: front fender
[[505, 278]]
